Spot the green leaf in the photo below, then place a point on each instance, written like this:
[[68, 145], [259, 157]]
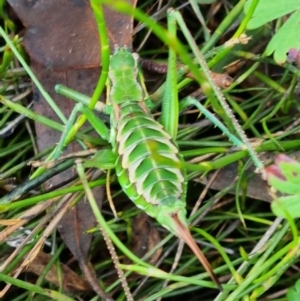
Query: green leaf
[[287, 37], [284, 186], [291, 170], [289, 204], [267, 11], [284, 175], [293, 293]]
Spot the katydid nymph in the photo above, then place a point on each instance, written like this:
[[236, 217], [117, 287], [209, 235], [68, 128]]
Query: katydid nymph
[[148, 164], [147, 161]]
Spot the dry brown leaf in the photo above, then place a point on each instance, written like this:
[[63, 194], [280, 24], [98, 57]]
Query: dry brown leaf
[[144, 237], [71, 281]]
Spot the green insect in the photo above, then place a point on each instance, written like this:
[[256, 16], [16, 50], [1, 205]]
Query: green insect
[[148, 164], [148, 161], [144, 154]]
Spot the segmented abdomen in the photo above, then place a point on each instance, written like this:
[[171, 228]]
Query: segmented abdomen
[[148, 165]]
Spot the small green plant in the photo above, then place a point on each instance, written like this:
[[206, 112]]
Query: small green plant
[[287, 35], [284, 176], [293, 293]]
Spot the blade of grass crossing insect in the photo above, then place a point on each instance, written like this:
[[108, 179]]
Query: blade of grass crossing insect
[[79, 97], [170, 104], [104, 46], [104, 233], [105, 226]]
